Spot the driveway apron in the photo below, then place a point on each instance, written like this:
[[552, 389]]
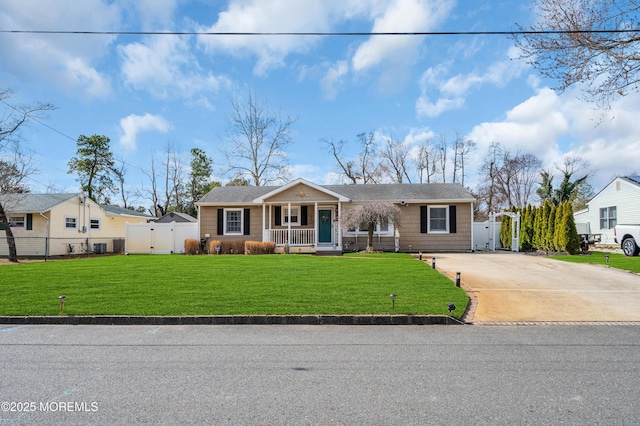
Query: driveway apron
[[524, 287]]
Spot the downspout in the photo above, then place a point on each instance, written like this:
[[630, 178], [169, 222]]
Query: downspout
[[46, 238]]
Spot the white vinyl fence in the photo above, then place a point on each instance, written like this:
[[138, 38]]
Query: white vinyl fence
[[158, 238], [482, 237]]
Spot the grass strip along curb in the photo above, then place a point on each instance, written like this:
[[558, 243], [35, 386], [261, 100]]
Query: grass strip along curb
[[235, 320]]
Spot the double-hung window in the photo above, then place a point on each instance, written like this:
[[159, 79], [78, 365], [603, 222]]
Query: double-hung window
[[233, 221], [17, 221], [70, 222], [437, 219], [291, 217], [608, 217]]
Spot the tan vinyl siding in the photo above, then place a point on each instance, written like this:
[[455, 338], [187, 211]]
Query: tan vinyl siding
[[300, 194], [209, 224], [409, 232]]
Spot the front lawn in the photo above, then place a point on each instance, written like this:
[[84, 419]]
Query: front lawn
[[616, 260], [228, 285]]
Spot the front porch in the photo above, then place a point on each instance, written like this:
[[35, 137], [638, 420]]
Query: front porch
[[300, 240]]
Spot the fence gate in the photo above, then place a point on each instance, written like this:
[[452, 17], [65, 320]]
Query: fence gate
[[158, 238]]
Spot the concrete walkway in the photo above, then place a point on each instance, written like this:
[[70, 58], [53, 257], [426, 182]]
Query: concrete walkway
[[518, 287]]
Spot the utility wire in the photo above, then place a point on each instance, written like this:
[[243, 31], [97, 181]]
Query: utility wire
[[323, 34]]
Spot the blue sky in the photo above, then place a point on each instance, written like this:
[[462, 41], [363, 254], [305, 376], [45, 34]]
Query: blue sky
[[145, 92]]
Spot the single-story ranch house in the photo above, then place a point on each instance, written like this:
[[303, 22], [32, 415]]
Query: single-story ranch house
[[305, 217], [61, 224]]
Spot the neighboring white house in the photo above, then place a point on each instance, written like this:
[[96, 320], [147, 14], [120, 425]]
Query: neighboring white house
[[618, 202]]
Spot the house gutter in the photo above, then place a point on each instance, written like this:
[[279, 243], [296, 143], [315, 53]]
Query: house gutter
[[46, 241]]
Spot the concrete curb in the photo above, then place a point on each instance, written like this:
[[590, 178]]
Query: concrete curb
[[234, 320]]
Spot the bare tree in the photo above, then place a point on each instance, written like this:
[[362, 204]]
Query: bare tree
[[370, 214], [395, 154], [16, 167], [368, 168], [462, 148], [594, 43], [258, 142], [425, 161], [442, 156]]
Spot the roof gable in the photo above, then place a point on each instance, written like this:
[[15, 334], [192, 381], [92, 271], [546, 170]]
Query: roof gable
[[299, 185]]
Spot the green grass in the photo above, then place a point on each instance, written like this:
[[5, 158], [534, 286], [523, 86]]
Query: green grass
[[228, 285], [616, 260]]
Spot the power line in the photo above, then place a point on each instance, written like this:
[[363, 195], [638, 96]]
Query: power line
[[322, 34]]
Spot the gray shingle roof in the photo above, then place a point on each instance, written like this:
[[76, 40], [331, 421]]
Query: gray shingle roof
[[356, 193], [29, 203], [121, 211]]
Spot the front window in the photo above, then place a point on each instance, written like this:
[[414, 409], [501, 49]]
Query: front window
[[608, 217], [95, 224], [292, 217], [383, 227], [16, 221], [70, 222], [233, 222], [438, 219]]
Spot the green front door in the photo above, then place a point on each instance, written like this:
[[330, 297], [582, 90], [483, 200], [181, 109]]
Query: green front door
[[324, 226]]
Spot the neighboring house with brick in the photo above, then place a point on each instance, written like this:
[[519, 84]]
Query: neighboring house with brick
[[305, 216], [617, 203], [61, 224]]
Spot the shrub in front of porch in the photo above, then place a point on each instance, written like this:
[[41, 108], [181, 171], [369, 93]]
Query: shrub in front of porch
[[259, 247], [192, 246], [227, 247]]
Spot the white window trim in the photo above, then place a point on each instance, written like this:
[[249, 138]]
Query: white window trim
[[389, 232], [23, 220], [97, 219], [285, 215], [446, 217], [75, 221], [608, 217], [241, 232]]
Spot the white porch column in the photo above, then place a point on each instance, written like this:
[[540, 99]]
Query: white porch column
[[289, 224], [316, 224], [264, 224], [339, 225]]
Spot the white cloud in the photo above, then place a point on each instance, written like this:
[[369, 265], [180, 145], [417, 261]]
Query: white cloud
[[334, 79], [451, 92], [164, 67], [399, 16], [133, 124], [273, 16], [66, 61], [553, 126]]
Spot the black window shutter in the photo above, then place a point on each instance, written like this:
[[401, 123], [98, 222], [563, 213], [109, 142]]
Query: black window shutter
[[278, 214], [423, 220], [247, 222], [303, 213], [452, 219], [220, 221], [29, 222]]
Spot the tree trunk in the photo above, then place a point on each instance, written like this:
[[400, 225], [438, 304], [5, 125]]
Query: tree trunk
[[370, 237], [11, 242]]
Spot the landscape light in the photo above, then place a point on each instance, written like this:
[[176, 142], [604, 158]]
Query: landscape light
[[606, 259], [457, 279], [62, 299], [393, 301], [451, 307]]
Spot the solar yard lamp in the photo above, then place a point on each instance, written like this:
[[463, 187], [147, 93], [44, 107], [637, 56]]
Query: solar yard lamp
[[393, 301], [62, 299], [606, 259]]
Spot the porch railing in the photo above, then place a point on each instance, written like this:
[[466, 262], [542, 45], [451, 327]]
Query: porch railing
[[297, 237]]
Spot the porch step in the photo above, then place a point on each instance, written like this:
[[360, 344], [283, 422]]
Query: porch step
[[329, 253]]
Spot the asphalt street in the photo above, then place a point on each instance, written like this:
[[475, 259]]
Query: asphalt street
[[319, 375]]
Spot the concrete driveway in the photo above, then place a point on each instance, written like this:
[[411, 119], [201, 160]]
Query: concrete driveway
[[517, 287]]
